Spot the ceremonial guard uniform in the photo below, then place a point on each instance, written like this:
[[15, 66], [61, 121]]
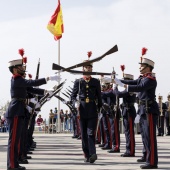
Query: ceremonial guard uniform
[[167, 115], [129, 114], [161, 117], [105, 117], [88, 91], [16, 110], [148, 108], [114, 117]]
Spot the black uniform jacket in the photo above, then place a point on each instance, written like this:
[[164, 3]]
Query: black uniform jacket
[[90, 90], [145, 86], [19, 93], [128, 102]]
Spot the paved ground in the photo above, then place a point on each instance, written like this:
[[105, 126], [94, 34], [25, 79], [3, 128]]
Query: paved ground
[[60, 151]]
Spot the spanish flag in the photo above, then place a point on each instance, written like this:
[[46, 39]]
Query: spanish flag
[[55, 25]]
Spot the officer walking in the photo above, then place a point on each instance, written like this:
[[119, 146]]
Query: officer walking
[[146, 85], [88, 91], [15, 112]]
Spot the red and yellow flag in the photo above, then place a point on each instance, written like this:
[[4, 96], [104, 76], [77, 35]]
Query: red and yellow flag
[[55, 25]]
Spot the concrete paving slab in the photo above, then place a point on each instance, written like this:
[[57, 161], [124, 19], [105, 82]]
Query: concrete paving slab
[[60, 152]]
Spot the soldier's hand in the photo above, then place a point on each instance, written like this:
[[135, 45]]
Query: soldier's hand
[[50, 91], [29, 109]]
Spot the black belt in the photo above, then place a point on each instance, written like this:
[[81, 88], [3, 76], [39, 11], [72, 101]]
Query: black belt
[[20, 99], [87, 100], [127, 104], [143, 102]]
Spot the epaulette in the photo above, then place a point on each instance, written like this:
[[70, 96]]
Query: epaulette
[[150, 76]]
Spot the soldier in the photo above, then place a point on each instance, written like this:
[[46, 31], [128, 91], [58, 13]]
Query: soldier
[[88, 91], [15, 111], [114, 117], [167, 115], [105, 112], [146, 85], [129, 114], [162, 108]]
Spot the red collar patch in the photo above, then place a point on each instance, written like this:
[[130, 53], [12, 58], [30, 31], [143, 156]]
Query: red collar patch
[[87, 78], [16, 75]]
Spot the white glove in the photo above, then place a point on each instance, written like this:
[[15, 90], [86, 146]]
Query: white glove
[[115, 86], [117, 81], [55, 78], [29, 109], [37, 105], [50, 91], [48, 99], [33, 100], [77, 104]]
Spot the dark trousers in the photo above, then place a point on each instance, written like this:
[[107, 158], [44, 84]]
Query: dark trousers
[[128, 123], [142, 136], [74, 125], [31, 131], [24, 139], [167, 121], [160, 125], [115, 133], [15, 125], [88, 128], [149, 123], [106, 124]]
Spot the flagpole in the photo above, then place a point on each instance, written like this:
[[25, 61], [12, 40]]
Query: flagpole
[[59, 121]]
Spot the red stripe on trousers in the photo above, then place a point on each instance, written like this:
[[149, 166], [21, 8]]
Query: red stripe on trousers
[[152, 142], [14, 129], [131, 136], [116, 135]]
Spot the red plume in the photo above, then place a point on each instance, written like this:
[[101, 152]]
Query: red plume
[[122, 67], [30, 76], [89, 53], [24, 59], [144, 50], [21, 52]]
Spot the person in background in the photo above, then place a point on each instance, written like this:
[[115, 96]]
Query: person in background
[[66, 120], [39, 120], [55, 114]]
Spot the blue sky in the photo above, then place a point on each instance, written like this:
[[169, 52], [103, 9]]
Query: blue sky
[[89, 26]]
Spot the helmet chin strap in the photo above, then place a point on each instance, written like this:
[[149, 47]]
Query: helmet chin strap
[[144, 68], [21, 72]]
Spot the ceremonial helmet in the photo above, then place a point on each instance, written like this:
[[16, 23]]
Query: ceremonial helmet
[[128, 76], [89, 53], [106, 80], [160, 97], [168, 95], [18, 62], [146, 61]]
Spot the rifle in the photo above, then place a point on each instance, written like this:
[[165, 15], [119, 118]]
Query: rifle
[[55, 88], [48, 96], [33, 109], [65, 102], [60, 68], [65, 95], [69, 90], [112, 50]]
